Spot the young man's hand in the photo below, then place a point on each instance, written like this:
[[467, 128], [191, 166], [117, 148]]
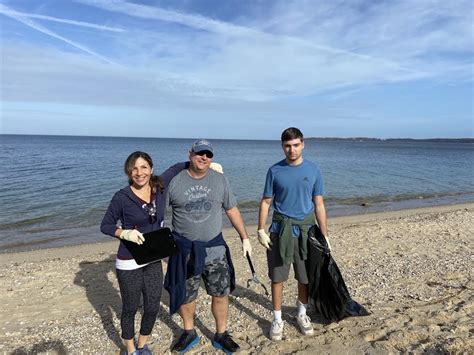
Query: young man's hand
[[327, 241], [264, 239]]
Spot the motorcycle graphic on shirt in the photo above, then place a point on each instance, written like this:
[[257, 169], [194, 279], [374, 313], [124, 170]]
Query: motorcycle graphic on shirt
[[198, 205]]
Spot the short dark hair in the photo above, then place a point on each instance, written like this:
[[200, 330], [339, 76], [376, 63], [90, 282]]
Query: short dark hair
[[290, 134]]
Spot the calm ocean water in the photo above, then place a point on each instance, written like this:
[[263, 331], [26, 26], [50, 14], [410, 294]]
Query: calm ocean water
[[55, 189]]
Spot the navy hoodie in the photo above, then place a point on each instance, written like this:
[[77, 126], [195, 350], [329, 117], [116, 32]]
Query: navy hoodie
[[126, 207]]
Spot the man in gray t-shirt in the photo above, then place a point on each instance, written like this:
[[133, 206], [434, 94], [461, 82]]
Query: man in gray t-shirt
[[198, 196]]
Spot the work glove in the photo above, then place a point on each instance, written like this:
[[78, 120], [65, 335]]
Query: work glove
[[246, 246], [132, 235], [264, 239], [327, 241], [217, 167]]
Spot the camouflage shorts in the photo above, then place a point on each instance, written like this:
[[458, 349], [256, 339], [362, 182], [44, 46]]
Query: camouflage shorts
[[216, 277]]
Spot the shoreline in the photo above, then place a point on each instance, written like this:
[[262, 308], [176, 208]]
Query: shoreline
[[411, 269], [355, 211], [251, 228]]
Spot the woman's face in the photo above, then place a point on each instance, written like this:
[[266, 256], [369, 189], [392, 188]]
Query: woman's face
[[141, 173]]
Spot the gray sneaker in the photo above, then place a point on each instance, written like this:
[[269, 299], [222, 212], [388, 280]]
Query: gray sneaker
[[276, 330], [304, 322]]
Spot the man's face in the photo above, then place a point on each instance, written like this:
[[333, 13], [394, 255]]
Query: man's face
[[293, 149], [200, 161]]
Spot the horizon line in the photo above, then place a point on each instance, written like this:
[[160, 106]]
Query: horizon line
[[247, 139]]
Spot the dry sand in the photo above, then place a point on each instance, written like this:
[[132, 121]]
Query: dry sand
[[412, 269]]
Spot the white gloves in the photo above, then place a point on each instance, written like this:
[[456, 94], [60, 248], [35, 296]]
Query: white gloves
[[132, 235], [329, 245], [246, 247], [217, 167], [264, 239]]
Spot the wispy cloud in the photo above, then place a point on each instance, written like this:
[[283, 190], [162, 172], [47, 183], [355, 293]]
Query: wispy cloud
[[331, 46], [25, 20], [293, 49], [15, 14]]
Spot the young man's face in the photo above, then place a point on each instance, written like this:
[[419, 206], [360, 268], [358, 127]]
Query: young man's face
[[293, 149]]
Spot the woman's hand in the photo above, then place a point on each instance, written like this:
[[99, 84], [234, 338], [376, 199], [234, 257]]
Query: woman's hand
[[132, 235]]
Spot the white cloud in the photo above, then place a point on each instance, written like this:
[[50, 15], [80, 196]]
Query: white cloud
[[171, 59]]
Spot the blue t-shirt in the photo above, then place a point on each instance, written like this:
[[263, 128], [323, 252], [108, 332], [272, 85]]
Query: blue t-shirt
[[292, 188]]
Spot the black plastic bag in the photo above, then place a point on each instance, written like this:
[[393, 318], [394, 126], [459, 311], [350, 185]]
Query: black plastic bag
[[327, 290]]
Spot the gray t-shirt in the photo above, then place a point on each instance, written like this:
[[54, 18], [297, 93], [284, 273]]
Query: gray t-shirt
[[198, 205]]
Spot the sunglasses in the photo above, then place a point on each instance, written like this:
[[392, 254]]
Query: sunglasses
[[206, 153], [150, 208]]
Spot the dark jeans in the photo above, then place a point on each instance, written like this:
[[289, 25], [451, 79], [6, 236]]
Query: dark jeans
[[146, 281]]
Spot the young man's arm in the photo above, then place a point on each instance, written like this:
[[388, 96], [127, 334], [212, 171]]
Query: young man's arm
[[263, 212], [263, 237], [320, 214]]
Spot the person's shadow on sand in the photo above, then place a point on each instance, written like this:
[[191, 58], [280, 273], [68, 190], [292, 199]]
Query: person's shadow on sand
[[105, 297], [45, 347], [101, 293]]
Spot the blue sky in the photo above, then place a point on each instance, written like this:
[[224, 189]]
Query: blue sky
[[238, 68]]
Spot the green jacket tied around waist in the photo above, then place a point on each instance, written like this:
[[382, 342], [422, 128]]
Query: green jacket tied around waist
[[286, 235]]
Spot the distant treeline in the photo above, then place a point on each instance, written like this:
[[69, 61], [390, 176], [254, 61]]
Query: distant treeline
[[367, 139]]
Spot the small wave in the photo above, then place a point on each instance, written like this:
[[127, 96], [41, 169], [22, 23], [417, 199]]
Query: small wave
[[27, 243], [26, 222], [362, 200], [249, 204], [366, 200]]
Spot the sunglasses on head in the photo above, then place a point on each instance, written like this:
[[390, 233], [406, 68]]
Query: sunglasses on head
[[206, 153]]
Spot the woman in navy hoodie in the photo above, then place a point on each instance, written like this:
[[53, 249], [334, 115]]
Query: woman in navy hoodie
[[136, 209]]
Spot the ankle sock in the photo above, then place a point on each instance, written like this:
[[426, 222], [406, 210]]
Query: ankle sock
[[277, 315], [301, 308]]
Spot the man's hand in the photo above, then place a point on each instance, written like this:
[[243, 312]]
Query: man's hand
[[264, 239], [132, 235], [327, 241], [246, 246]]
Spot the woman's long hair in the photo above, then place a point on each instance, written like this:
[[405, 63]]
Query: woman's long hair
[[155, 181]]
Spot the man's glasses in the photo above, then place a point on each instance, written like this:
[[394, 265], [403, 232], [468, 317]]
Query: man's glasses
[[206, 153], [150, 208]]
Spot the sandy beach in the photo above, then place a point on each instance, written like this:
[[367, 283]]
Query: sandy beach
[[412, 269]]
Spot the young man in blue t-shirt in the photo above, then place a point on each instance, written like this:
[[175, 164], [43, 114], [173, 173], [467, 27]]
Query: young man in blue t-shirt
[[294, 187]]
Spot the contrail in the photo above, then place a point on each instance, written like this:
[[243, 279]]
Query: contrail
[[12, 14]]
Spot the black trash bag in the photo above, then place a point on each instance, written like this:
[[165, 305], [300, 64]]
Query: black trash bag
[[327, 290]]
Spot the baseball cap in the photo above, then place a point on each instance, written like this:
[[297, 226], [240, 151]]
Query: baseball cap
[[202, 145]]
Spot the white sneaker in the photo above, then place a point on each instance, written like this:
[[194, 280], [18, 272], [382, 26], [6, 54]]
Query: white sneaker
[[304, 322], [276, 330]]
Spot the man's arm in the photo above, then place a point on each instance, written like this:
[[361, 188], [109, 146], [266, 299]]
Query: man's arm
[[320, 214], [263, 212], [236, 219]]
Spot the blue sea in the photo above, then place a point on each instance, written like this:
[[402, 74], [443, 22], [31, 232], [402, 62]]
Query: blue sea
[[55, 189]]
